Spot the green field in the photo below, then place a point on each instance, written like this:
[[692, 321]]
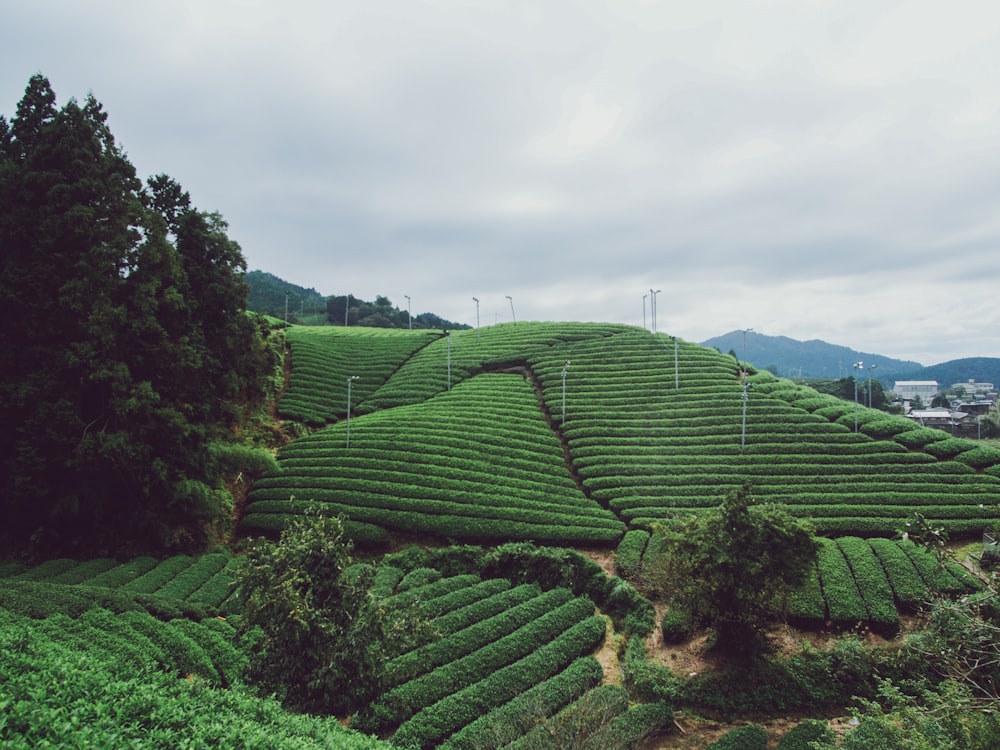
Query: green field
[[471, 439]]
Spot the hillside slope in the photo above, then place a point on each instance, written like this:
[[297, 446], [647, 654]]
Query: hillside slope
[[447, 445]]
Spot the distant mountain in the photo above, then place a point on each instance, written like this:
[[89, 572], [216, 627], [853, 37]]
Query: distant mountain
[[808, 359], [309, 307], [267, 295]]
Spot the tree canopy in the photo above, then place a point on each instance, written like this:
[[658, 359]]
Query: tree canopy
[[126, 333], [731, 568]]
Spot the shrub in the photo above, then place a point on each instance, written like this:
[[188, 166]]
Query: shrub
[[677, 626], [434, 723], [806, 732], [980, 457], [468, 656], [949, 447], [747, 737], [504, 724], [629, 558]]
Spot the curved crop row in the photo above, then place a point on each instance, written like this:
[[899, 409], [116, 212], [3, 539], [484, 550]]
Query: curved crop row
[[504, 639], [431, 725]]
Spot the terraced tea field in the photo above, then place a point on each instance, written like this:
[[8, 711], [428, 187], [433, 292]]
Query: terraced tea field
[[465, 438], [569, 435]]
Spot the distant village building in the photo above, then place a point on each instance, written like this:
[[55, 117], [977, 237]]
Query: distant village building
[[972, 388], [941, 418], [908, 390]]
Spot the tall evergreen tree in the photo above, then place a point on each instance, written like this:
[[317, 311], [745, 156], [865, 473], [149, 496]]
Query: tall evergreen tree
[[114, 360]]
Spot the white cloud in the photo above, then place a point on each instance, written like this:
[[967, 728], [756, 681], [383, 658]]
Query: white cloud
[[821, 169]]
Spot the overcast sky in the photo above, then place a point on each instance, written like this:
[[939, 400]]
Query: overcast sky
[[817, 169]]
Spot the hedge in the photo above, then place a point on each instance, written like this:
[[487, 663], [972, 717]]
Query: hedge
[[460, 643], [508, 637], [436, 722], [442, 605], [844, 602], [84, 571], [747, 737], [872, 584], [806, 604], [122, 574], [908, 587], [159, 576], [506, 723], [807, 732], [485, 608]]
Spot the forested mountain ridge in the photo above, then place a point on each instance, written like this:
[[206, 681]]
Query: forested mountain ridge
[[791, 358], [269, 295]]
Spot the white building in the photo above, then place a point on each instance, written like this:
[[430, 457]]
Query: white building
[[972, 388], [908, 390]]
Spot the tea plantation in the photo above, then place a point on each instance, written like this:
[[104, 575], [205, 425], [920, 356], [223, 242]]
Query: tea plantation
[[468, 468]]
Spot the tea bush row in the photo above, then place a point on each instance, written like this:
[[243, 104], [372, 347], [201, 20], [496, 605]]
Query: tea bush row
[[507, 722], [453, 644], [63, 692], [436, 722], [467, 659]]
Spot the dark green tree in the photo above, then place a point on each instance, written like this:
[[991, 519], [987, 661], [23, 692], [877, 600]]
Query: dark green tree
[[111, 370], [324, 638], [732, 567]]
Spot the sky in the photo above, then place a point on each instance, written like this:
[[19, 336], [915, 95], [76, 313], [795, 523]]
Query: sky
[[817, 169]]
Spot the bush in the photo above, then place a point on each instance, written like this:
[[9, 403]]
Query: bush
[[949, 447], [677, 626], [434, 723], [803, 734], [747, 737], [980, 457], [628, 561], [645, 680], [513, 719]]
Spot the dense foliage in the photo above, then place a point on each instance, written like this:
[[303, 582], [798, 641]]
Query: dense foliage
[[731, 569], [325, 638], [125, 339]]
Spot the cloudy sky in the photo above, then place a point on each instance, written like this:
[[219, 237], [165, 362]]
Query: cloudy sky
[[813, 168]]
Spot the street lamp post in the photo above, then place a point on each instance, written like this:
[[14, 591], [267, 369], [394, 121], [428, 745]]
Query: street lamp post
[[476, 300], [746, 398], [857, 366], [677, 372], [448, 334], [745, 332], [644, 310], [565, 366], [350, 379], [870, 368], [652, 307], [409, 315], [347, 307], [513, 317]]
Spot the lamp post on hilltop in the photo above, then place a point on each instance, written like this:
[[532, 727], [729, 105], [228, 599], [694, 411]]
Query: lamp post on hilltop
[[870, 368], [745, 332], [350, 379], [644, 310], [565, 366], [512, 315], [476, 300], [409, 316], [447, 333], [746, 398], [677, 372], [857, 367], [652, 307]]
